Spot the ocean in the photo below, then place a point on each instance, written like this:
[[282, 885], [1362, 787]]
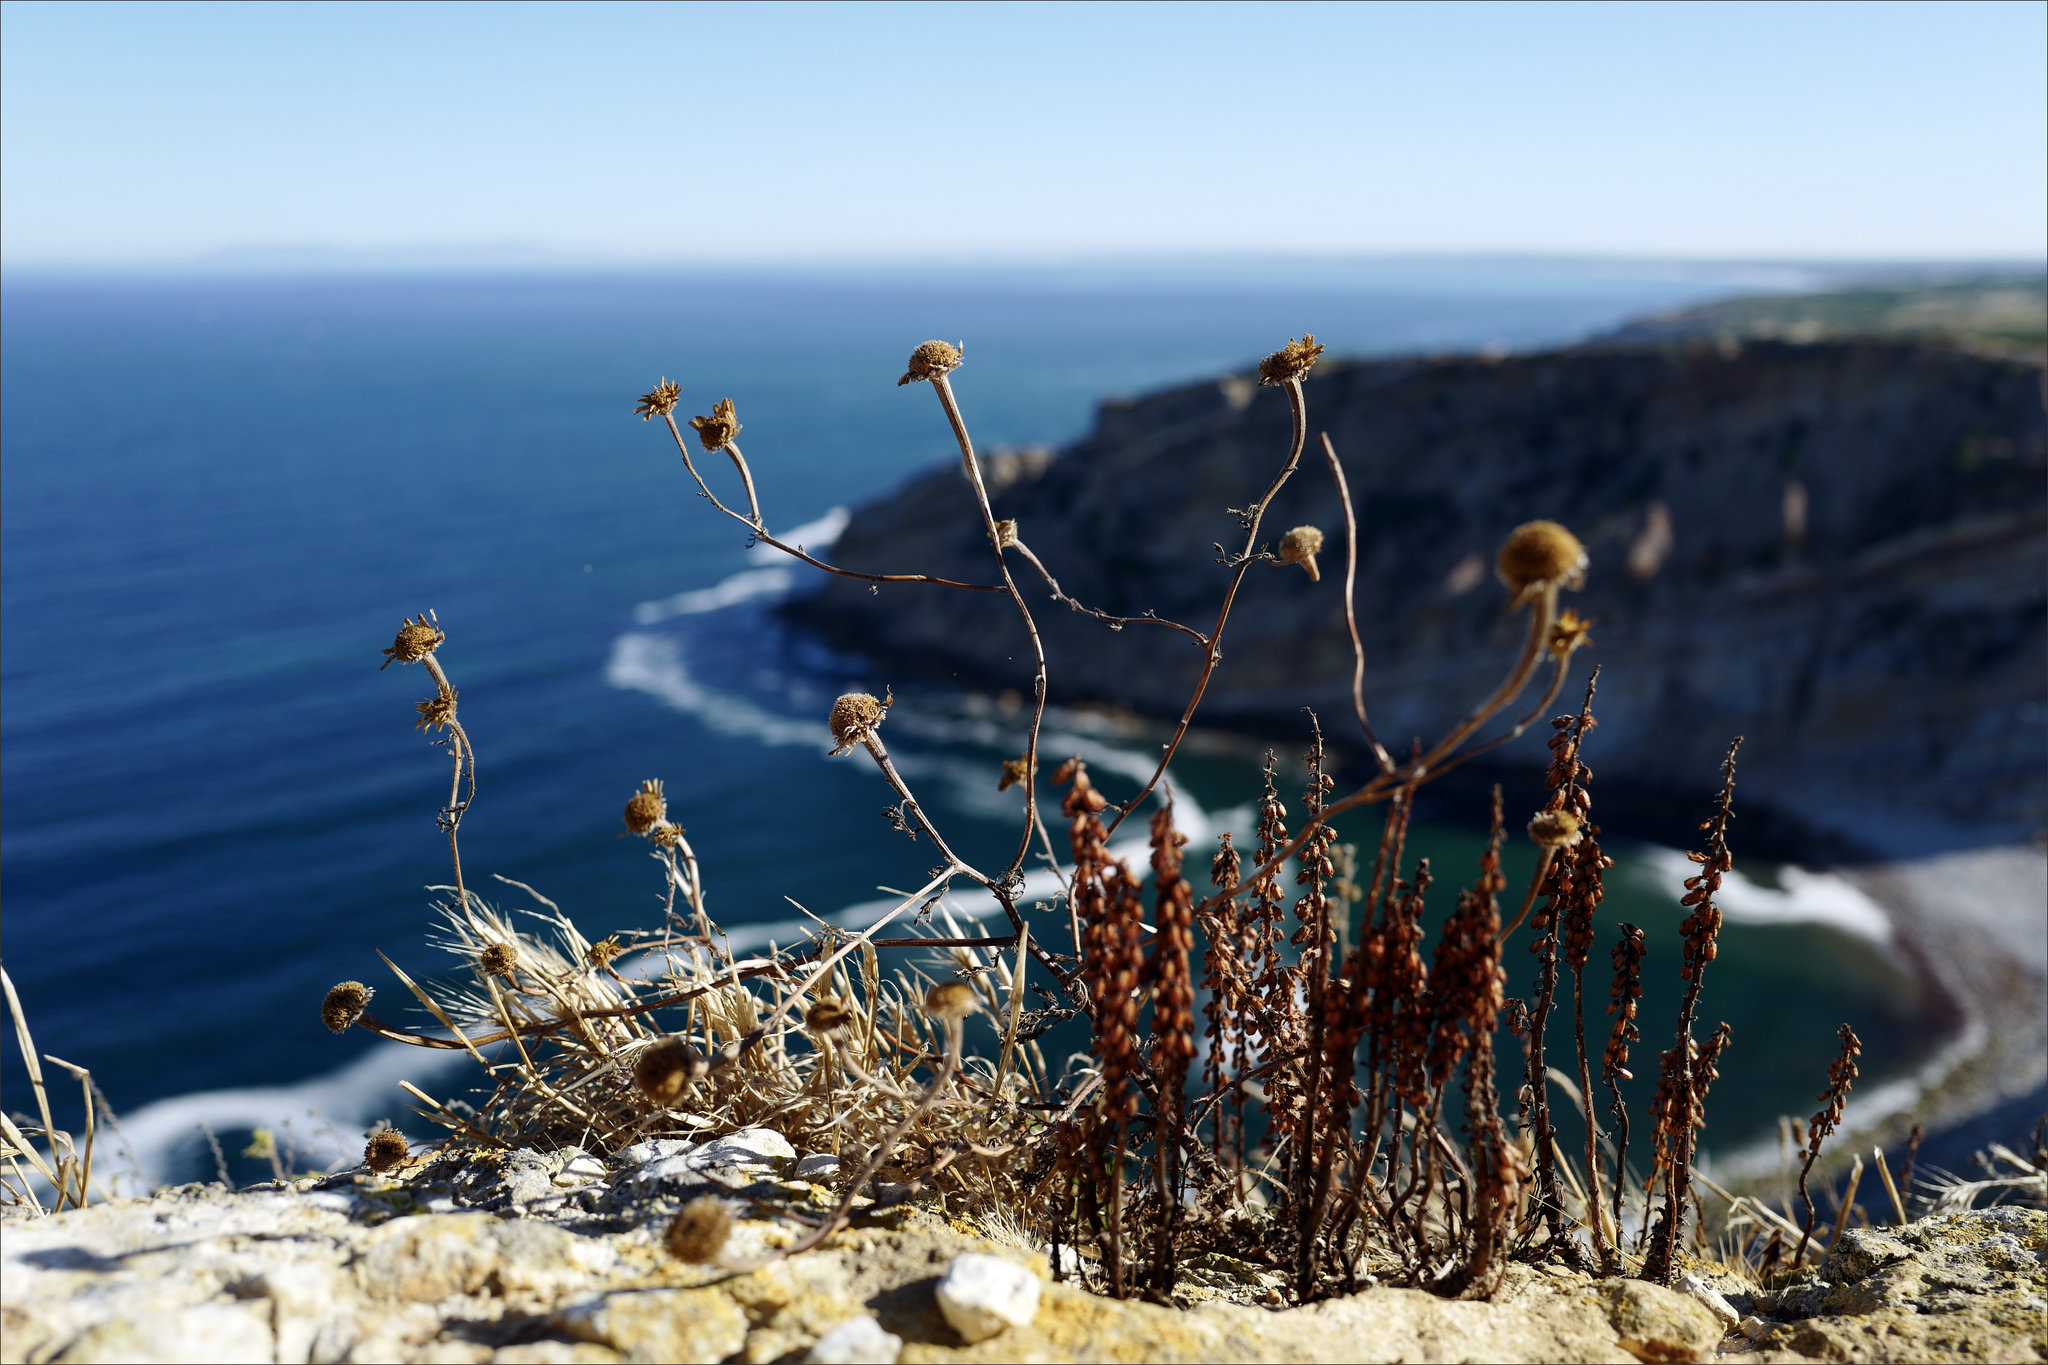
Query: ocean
[[218, 497]]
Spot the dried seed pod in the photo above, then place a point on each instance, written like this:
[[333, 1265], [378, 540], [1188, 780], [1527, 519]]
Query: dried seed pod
[[667, 834], [1569, 633], [854, 717], [498, 960], [1015, 771], [344, 1005], [699, 1232], [1291, 361], [719, 428], [647, 808], [1006, 534], [827, 1016], [385, 1150], [1555, 829], [1300, 546], [950, 1000], [436, 711], [417, 638], [1541, 554], [605, 951], [933, 360], [660, 402], [665, 1068]]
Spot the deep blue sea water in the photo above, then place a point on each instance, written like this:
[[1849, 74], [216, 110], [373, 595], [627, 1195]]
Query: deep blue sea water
[[218, 497]]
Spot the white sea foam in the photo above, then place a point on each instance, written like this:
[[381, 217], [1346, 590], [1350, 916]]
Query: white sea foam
[[324, 1117], [814, 536], [741, 587], [1801, 897], [654, 664]]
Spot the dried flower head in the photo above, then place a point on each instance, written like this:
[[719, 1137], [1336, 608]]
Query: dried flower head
[[386, 1149], [1015, 771], [667, 834], [606, 951], [1541, 554], [933, 360], [665, 1068], [498, 960], [417, 638], [1006, 534], [699, 1232], [1569, 633], [344, 1005], [1300, 546], [854, 717], [436, 711], [719, 428], [1291, 361], [659, 403], [647, 808], [950, 1000], [827, 1016], [1555, 829]]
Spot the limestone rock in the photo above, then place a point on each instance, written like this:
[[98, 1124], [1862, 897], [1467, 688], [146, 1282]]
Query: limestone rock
[[1655, 1323], [857, 1341], [661, 1325], [984, 1295]]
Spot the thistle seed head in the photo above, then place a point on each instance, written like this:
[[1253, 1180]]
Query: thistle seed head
[[717, 429], [1291, 361], [385, 1150], [605, 951], [1300, 546], [667, 834], [436, 711], [1568, 633], [699, 1232], [933, 360], [660, 402], [1541, 554], [827, 1016], [1555, 829], [498, 960], [417, 638], [950, 1000], [344, 1005], [854, 717], [665, 1068], [647, 808]]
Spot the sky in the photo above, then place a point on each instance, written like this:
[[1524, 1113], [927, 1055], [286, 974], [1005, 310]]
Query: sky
[[159, 135]]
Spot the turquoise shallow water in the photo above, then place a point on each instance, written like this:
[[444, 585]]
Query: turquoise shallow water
[[220, 496]]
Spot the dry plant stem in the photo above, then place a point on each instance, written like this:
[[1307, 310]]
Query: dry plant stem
[[943, 386], [1379, 752], [760, 531], [876, 1160], [1543, 857], [1603, 1254], [451, 818], [1212, 653], [1542, 612], [1113, 622]]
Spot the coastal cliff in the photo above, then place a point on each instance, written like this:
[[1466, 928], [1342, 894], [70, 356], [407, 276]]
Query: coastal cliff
[[1838, 550]]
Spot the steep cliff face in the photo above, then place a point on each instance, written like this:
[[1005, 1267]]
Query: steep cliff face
[[1837, 550]]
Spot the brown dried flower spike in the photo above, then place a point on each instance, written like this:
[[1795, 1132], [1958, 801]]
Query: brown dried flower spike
[[700, 1230], [1555, 829], [1291, 361], [417, 639], [344, 1005], [1300, 546], [659, 403], [385, 1150], [950, 1000], [717, 429], [933, 360], [854, 717], [648, 807], [663, 1070], [1538, 555]]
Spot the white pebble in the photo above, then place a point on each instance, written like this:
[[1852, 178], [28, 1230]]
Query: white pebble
[[857, 1341], [982, 1295], [1711, 1299], [817, 1166]]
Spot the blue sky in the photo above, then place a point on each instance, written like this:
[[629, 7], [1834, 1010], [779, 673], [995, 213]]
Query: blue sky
[[139, 134]]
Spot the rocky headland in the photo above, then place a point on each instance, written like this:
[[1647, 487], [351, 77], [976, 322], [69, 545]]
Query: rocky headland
[[1837, 550], [472, 1255]]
